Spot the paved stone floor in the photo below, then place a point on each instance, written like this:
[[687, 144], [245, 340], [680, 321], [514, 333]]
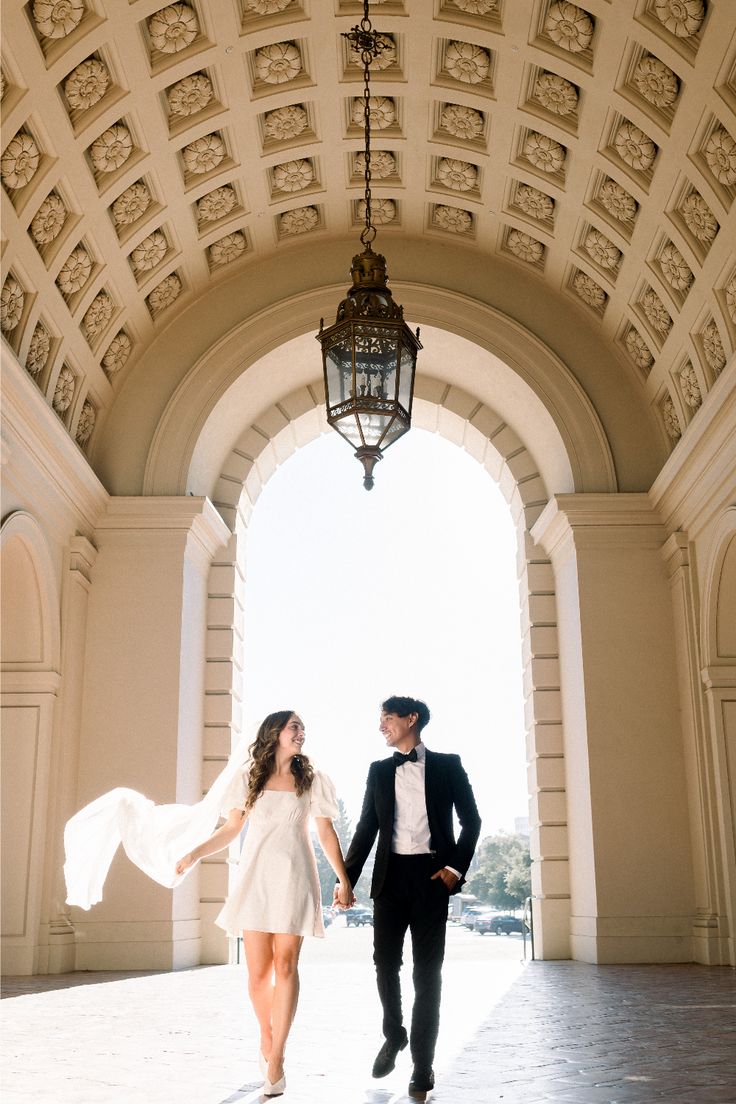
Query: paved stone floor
[[511, 1034]]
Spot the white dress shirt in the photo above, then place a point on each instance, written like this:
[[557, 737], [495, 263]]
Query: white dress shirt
[[411, 826], [411, 835]]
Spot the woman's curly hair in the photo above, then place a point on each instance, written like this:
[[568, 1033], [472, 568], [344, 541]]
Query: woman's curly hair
[[263, 759]]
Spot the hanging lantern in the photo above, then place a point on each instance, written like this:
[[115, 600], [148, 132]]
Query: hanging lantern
[[370, 354]]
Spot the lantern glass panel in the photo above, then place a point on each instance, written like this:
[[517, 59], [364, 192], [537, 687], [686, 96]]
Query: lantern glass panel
[[395, 430], [350, 429], [339, 370], [406, 377], [374, 427]]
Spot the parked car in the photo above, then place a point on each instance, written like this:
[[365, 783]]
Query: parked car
[[477, 918], [484, 925], [500, 925], [469, 917], [359, 915]]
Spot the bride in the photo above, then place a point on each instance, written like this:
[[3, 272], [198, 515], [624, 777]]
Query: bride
[[275, 901]]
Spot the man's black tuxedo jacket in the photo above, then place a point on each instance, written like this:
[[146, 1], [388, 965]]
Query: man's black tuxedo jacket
[[446, 786]]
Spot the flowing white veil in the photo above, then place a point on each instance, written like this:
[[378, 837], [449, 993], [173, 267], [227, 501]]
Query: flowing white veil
[[154, 837]]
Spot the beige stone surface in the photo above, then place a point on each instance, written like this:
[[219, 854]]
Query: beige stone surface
[[88, 124], [557, 188]]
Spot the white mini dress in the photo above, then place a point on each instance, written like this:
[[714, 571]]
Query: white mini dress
[[276, 888]]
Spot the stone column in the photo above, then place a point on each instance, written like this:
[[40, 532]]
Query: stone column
[[629, 840], [142, 716]]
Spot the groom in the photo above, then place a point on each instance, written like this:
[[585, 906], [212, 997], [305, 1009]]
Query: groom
[[409, 801]]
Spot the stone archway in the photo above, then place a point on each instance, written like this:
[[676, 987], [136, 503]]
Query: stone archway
[[469, 346], [30, 682], [485, 379], [295, 420]]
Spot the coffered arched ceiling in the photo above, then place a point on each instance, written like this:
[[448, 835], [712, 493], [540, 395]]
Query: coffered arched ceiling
[[573, 166]]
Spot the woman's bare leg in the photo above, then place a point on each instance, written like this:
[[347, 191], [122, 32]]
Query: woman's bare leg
[[286, 949], [259, 957]]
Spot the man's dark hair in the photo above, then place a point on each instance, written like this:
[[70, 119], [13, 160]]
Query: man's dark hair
[[402, 707]]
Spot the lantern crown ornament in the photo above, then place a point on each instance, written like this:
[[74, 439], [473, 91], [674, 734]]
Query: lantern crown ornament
[[369, 355]]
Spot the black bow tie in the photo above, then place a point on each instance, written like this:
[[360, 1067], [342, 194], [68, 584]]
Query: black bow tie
[[400, 759]]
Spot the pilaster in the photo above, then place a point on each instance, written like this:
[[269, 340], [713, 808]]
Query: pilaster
[[57, 933], [709, 916]]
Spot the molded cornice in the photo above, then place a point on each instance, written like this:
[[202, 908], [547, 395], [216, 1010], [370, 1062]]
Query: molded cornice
[[180, 515], [702, 468], [35, 441], [577, 522]]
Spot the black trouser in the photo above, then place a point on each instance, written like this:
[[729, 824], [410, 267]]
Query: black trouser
[[410, 899]]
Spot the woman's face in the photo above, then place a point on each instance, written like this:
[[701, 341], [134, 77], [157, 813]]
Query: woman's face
[[292, 735]]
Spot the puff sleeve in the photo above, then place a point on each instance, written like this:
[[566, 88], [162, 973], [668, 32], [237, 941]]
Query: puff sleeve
[[234, 796], [323, 799]]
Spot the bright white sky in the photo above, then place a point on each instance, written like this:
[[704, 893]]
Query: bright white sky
[[407, 589]]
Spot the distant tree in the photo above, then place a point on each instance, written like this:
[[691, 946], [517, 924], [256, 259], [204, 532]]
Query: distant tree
[[502, 875], [326, 873], [343, 827], [519, 877]]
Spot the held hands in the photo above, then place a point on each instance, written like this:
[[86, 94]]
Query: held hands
[[447, 877], [343, 896]]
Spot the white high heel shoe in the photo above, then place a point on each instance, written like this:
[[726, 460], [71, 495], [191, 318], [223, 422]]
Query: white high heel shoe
[[277, 1089]]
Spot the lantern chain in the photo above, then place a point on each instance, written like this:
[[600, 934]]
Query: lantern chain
[[369, 45]]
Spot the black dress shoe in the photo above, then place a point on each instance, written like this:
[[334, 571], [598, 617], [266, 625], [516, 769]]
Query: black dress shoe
[[386, 1057], [422, 1082]]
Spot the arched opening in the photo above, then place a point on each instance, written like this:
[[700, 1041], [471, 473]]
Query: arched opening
[[719, 610], [350, 598], [469, 348], [30, 678], [719, 684], [292, 421]]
